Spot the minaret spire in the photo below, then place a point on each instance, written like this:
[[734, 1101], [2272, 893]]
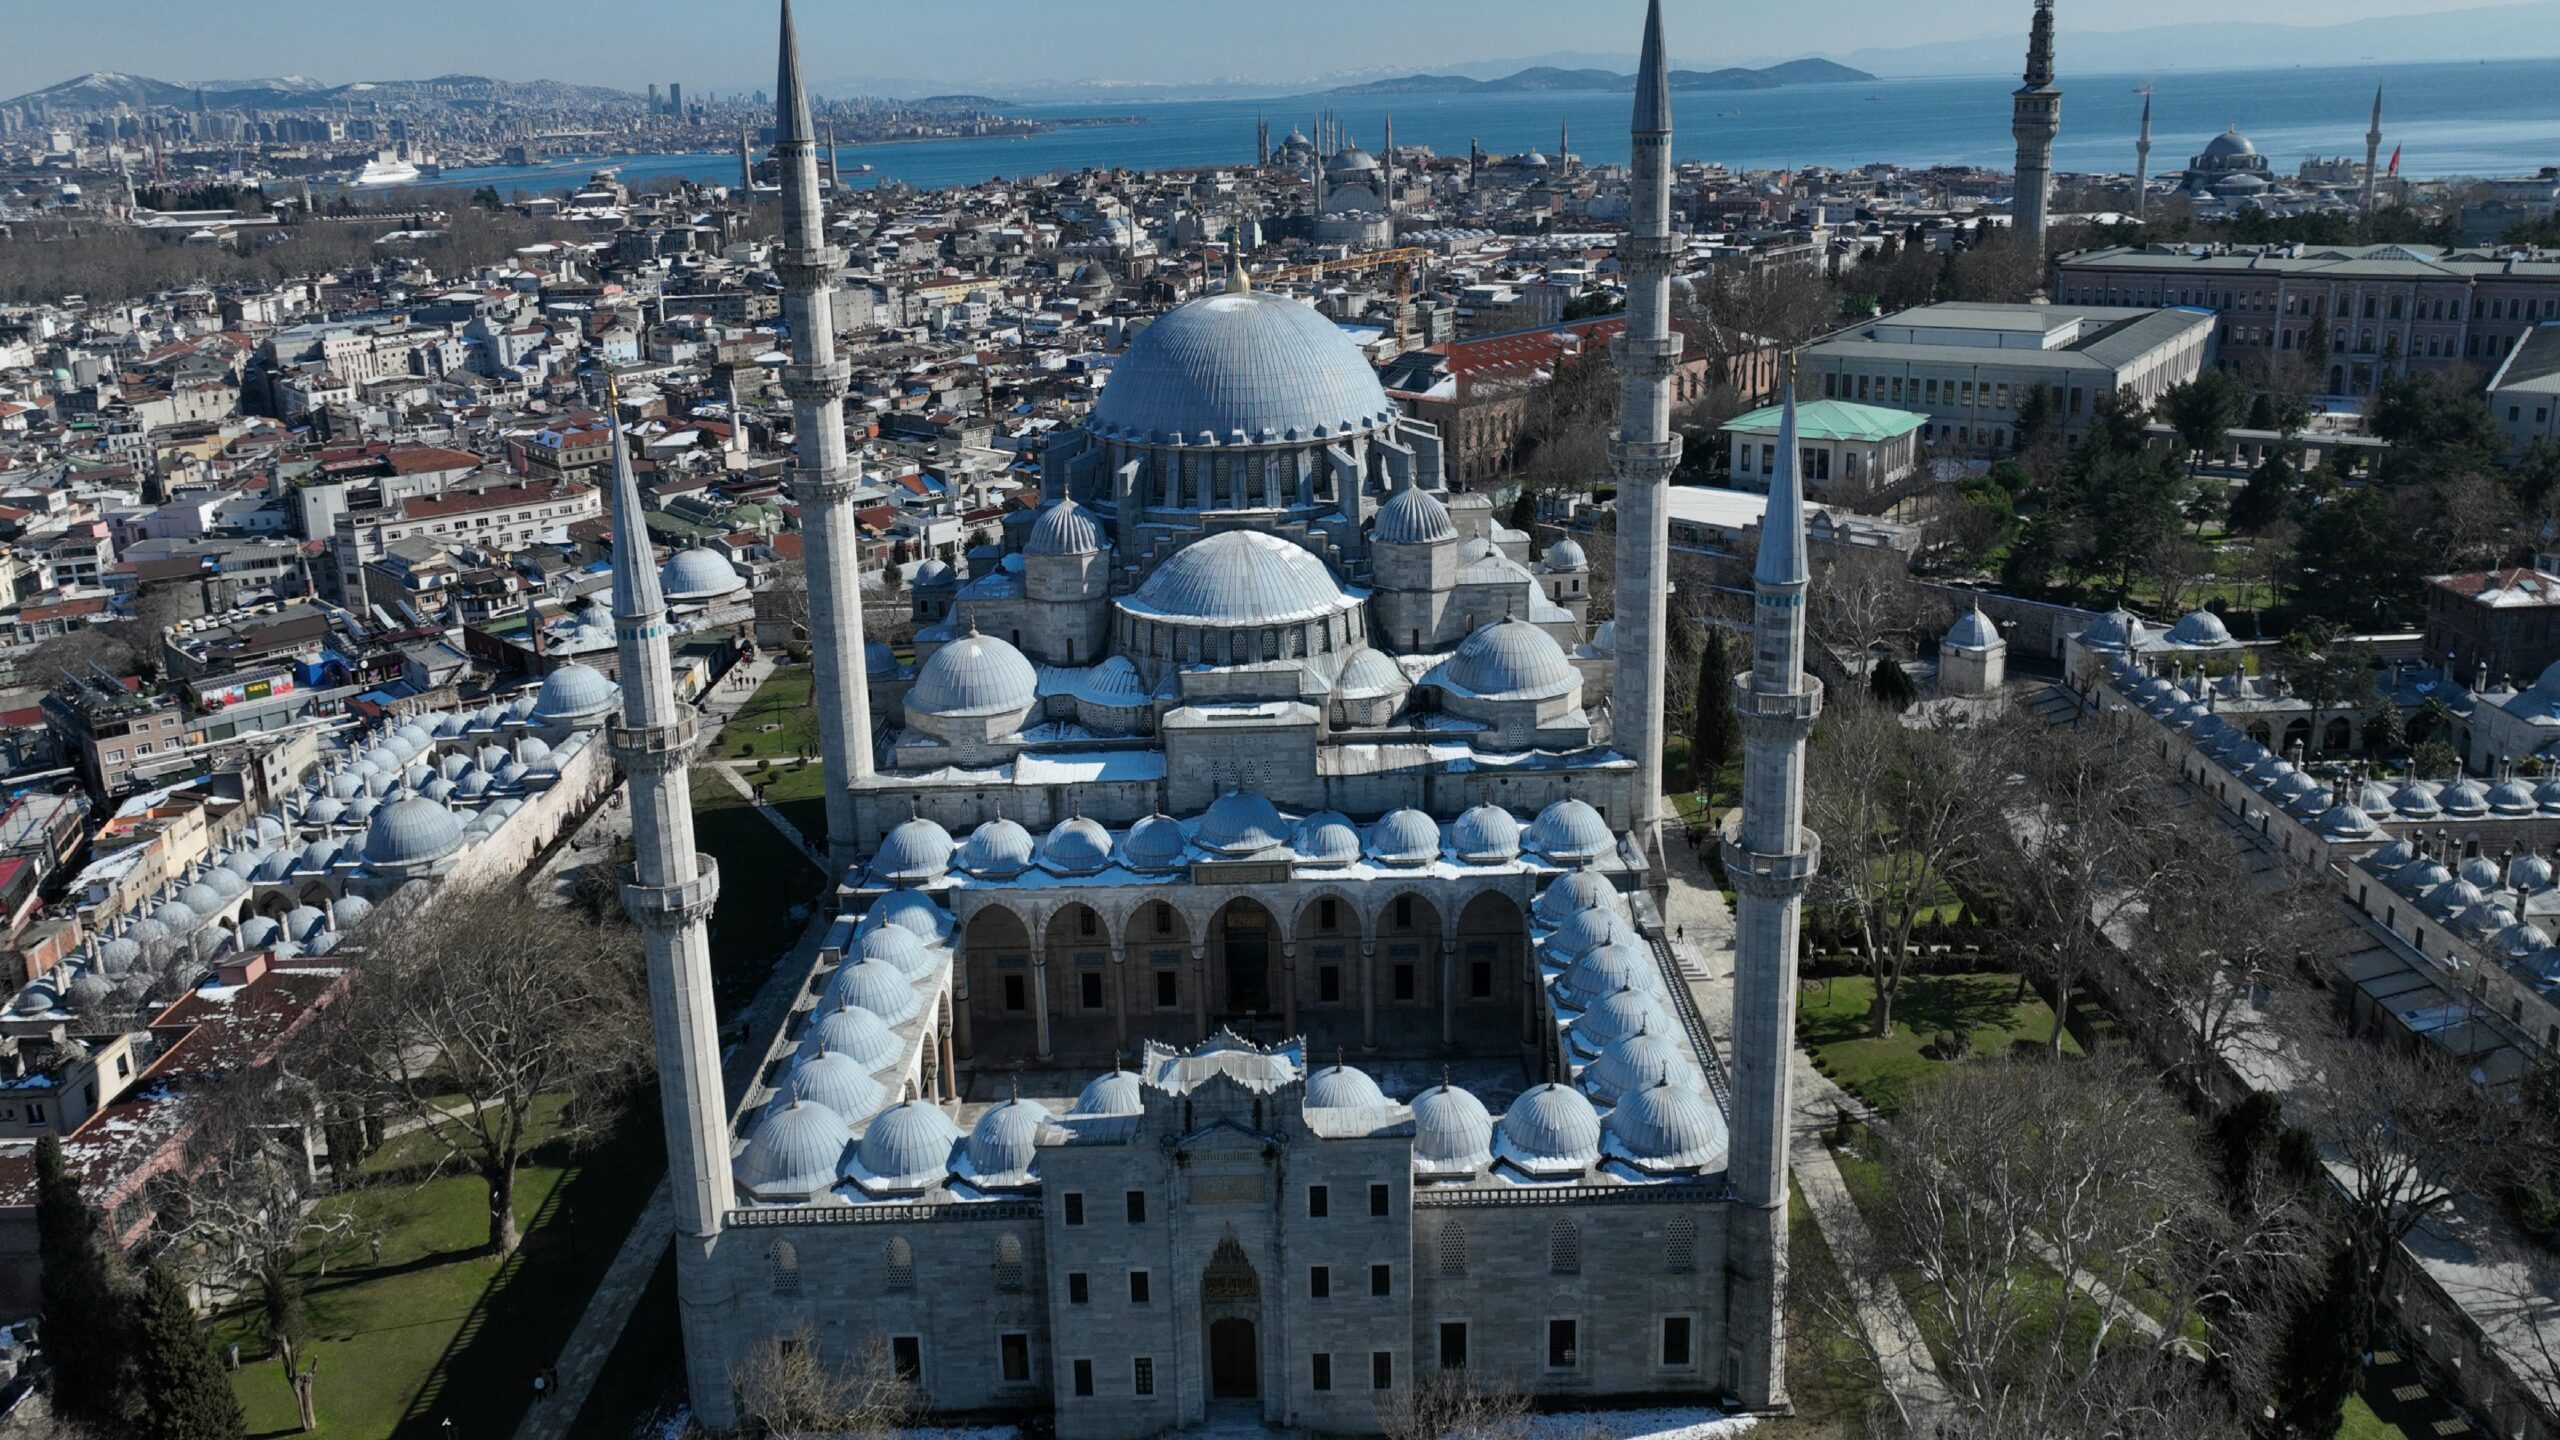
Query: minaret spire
[[2035, 118], [2142, 161], [2373, 154]]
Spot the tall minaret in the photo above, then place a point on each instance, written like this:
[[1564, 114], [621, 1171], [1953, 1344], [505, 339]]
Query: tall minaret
[[2142, 161], [2373, 153], [670, 897], [1387, 160], [1770, 858], [1645, 451], [822, 482], [2035, 117], [835, 177], [746, 172]]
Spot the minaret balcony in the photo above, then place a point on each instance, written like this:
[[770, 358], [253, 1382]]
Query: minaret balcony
[[816, 384], [1781, 707], [1645, 357], [1644, 461], [809, 270], [823, 488], [652, 749], [1772, 877], [672, 907]]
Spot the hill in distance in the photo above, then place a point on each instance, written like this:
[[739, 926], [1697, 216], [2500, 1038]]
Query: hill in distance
[[107, 89], [1548, 77]]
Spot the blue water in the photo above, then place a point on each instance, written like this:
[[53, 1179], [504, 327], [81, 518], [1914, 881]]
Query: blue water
[[2452, 119]]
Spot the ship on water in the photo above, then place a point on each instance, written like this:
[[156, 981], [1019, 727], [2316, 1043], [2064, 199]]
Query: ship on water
[[387, 168]]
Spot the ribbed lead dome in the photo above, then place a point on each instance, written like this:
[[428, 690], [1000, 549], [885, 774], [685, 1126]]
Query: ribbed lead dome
[[1405, 837], [1413, 516], [1486, 835], [794, 1152], [841, 1083], [898, 947], [1550, 1127], [1340, 1087], [1326, 840], [1117, 1093], [972, 676], [574, 692], [1240, 577], [1155, 844], [414, 831], [997, 850], [1259, 365], [1006, 1141], [698, 574], [1668, 1126], [852, 1030], [879, 987], [1241, 823], [1510, 660], [1076, 846], [1064, 529], [1451, 1130], [1571, 830], [908, 1146], [1581, 890], [913, 851]]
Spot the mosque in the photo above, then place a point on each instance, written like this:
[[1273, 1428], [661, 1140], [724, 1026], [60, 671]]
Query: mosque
[[1251, 996]]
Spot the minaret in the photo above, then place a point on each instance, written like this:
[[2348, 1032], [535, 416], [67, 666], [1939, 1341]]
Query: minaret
[[2373, 153], [670, 896], [2142, 162], [1262, 141], [835, 176], [1564, 144], [746, 173], [1387, 162], [821, 481], [1770, 858], [2035, 117], [1645, 451]]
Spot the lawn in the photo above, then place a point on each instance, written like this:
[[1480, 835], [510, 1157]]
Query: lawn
[[781, 703], [434, 1330], [766, 887], [1832, 1023], [2360, 1423]]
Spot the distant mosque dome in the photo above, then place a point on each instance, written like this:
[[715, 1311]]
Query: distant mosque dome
[[1253, 365], [2228, 145]]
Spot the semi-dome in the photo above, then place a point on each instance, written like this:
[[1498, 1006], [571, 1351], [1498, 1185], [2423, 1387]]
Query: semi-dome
[[1155, 845], [1245, 363], [1327, 840], [1007, 1139], [415, 831], [1340, 1087], [1076, 846], [1639, 1062], [1369, 675], [1405, 837], [898, 947], [1452, 1131], [1510, 660], [974, 675], [914, 851], [794, 1152], [1486, 835], [1064, 529], [1973, 630], [573, 692], [1567, 895], [907, 1147], [1117, 1093], [2199, 628], [1241, 823], [1239, 577], [852, 1030], [841, 1083], [1550, 1128], [1566, 554], [1570, 830], [698, 574], [997, 850], [1668, 1126], [879, 987], [1413, 516]]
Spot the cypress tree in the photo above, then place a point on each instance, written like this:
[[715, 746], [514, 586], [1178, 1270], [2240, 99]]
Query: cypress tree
[[1711, 721], [180, 1393], [84, 1307]]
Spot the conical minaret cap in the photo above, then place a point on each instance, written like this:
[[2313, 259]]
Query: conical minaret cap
[[791, 98], [1653, 78], [635, 577], [1782, 560]]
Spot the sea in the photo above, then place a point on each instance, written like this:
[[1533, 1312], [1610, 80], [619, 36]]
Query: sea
[[2481, 119]]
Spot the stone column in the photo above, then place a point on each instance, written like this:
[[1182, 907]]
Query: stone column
[[1368, 995], [1119, 973], [1448, 990], [1040, 996], [1289, 989], [1200, 991]]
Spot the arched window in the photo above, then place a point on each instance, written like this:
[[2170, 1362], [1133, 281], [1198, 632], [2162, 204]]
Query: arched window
[[1680, 1245], [898, 1263], [784, 1262], [1009, 1262], [1453, 1249], [1564, 1248]]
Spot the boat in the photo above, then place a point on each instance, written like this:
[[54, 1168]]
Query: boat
[[385, 170], [861, 170]]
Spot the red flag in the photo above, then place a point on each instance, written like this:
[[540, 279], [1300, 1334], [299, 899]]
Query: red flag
[[2395, 161]]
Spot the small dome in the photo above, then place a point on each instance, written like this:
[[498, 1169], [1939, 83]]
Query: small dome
[[879, 987], [698, 574], [1668, 1126], [1639, 1062], [2346, 823], [1369, 675], [360, 810], [1452, 1131], [1973, 630], [1550, 1127], [1614, 1018], [2117, 630], [1510, 660], [258, 932], [913, 913], [1155, 845], [1006, 1141], [1587, 930], [1571, 831], [119, 954], [177, 917], [2512, 796], [572, 692], [414, 831], [1405, 837], [997, 850], [1622, 964], [794, 1152], [349, 911], [2529, 872], [1486, 835], [36, 999], [2464, 797], [913, 852], [908, 1147], [346, 785], [898, 947], [1566, 554], [1340, 1087], [1578, 891], [2482, 871], [1239, 823], [1117, 1093], [227, 883], [2416, 799], [203, 899], [1413, 516], [879, 661], [303, 921], [852, 1030], [2422, 875], [931, 573], [1327, 841], [1076, 847], [841, 1083], [975, 675], [147, 931], [327, 810], [1064, 529], [2200, 628], [2455, 898]]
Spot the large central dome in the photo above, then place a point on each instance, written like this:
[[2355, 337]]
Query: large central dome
[[1239, 577], [1239, 368]]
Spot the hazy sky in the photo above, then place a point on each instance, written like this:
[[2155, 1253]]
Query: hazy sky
[[728, 44]]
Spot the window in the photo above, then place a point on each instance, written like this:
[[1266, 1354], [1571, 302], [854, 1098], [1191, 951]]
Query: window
[[1137, 1207], [1168, 989], [906, 1355], [1320, 1371], [1453, 1344], [1017, 995], [1319, 1282], [1453, 1249], [1137, 1287], [1378, 1199], [1480, 980], [1089, 989], [1404, 982], [1079, 1288], [1084, 1378], [782, 1259], [1382, 1370], [1013, 1357], [1086, 922], [1074, 1204], [1328, 983], [1319, 1202], [1404, 912], [1142, 1375], [1325, 913], [1675, 1341], [1680, 1245], [1560, 1346], [1009, 1262], [1382, 1280], [1564, 1248], [898, 1259]]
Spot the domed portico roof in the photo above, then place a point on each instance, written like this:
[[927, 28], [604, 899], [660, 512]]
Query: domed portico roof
[[1509, 660], [1340, 1087], [1550, 1129], [1262, 366], [907, 1147], [415, 831], [794, 1152], [1239, 577], [1668, 1125], [1452, 1131], [974, 675], [1581, 890], [1238, 823]]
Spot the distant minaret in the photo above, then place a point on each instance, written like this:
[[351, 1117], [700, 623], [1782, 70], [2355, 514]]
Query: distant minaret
[[1262, 141], [822, 482], [1771, 858], [835, 175], [1645, 452], [1387, 159], [2035, 117], [1564, 144], [746, 171], [2142, 162], [670, 897], [2373, 153]]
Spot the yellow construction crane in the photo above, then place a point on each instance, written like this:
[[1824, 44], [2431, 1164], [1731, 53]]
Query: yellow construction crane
[[1405, 258]]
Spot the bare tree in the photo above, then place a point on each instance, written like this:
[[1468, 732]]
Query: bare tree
[[2200, 983], [1456, 1405], [467, 1013], [1863, 599], [786, 1385]]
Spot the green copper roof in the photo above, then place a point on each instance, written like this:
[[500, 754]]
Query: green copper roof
[[1832, 420]]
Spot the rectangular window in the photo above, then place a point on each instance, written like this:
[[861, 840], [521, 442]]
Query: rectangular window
[[1675, 1341], [1142, 1375], [1560, 1346], [1013, 1349], [1382, 1280], [1404, 982], [1328, 983], [1319, 1202], [1089, 989], [1079, 1288], [1168, 989], [1017, 994], [1084, 1378], [1378, 1199], [1074, 1205], [1453, 1345], [1382, 1370], [1480, 980], [1319, 1282], [1325, 913], [906, 1355], [1137, 1207], [1320, 1371], [1138, 1287]]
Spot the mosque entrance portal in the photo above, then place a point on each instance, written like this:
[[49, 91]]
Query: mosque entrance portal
[[1231, 1360], [1245, 949], [1230, 1301]]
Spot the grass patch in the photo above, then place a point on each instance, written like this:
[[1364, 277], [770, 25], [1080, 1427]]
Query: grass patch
[[1832, 1023], [766, 888], [2360, 1423], [1831, 1396], [782, 702]]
